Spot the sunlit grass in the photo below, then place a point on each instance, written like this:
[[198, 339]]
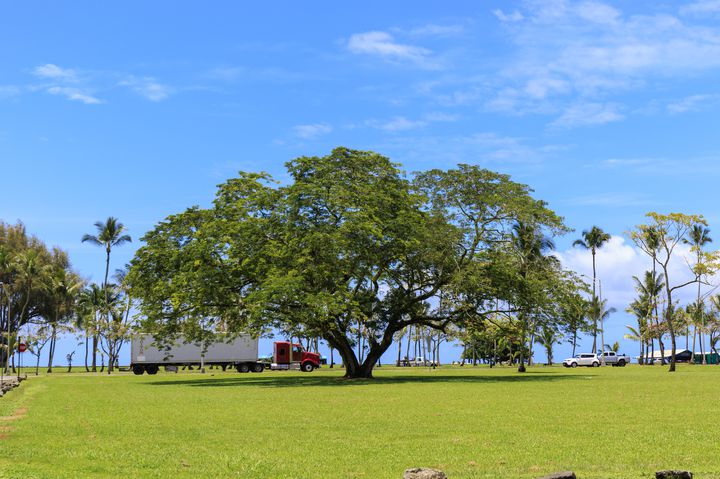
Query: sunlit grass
[[470, 422]]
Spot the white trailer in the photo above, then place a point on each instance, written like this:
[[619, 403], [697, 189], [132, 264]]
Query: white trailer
[[240, 353]]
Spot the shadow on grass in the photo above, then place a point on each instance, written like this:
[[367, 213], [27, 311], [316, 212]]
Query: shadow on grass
[[293, 380]]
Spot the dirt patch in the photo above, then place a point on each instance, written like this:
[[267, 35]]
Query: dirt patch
[[18, 414]]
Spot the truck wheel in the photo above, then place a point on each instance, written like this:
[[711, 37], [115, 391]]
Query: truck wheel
[[243, 368], [258, 368], [307, 367], [573, 365], [621, 363], [138, 369], [596, 364], [152, 368]]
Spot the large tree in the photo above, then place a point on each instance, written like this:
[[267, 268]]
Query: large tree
[[349, 249]]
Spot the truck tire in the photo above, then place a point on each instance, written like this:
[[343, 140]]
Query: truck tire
[[621, 363], [258, 368], [243, 368], [573, 365], [138, 369], [596, 364], [152, 368], [307, 367]]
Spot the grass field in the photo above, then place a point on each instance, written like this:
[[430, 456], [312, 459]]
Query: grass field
[[471, 422]]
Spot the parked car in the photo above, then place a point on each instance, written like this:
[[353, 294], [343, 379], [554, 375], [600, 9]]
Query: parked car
[[582, 359], [614, 359]]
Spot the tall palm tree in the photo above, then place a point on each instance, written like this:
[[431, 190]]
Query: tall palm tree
[[109, 234], [645, 305], [530, 245], [593, 239], [602, 313], [91, 303], [63, 287], [698, 237]]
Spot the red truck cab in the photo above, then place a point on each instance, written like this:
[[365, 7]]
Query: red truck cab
[[287, 356]]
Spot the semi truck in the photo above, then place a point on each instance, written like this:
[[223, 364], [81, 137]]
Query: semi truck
[[240, 353]]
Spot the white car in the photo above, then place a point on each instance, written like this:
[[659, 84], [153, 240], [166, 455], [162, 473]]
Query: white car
[[582, 359]]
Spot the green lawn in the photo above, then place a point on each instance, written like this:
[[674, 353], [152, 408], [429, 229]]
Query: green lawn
[[471, 422]]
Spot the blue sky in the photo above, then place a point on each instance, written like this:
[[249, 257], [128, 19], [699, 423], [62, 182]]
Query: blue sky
[[137, 109]]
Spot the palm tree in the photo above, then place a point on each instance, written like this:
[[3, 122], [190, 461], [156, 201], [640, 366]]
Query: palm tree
[[531, 246], [593, 239], [635, 335], [63, 288], [109, 235], [643, 307], [698, 237], [91, 301], [548, 338], [601, 312]]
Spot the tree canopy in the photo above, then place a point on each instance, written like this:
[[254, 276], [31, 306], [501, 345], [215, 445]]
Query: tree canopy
[[350, 247]]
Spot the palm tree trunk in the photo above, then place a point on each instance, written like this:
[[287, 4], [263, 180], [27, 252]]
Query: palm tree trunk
[[399, 350], [94, 352], [51, 353], [595, 326], [87, 340]]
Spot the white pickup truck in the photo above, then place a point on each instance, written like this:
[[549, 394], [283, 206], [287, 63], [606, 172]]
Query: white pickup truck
[[613, 359]]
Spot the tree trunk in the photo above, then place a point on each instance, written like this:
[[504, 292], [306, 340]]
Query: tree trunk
[[51, 353], [87, 340], [94, 353], [574, 342], [409, 342], [595, 326], [399, 350]]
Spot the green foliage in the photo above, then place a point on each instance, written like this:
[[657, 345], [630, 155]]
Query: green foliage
[[38, 283], [350, 249]]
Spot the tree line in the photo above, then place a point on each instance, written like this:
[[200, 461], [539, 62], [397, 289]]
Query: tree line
[[353, 251], [42, 298]]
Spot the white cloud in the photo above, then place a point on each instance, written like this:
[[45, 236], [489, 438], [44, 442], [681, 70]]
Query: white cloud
[[383, 45], [74, 94], [702, 7], [399, 123], [148, 88], [52, 71], [618, 261], [693, 103], [514, 16], [585, 114], [585, 52], [597, 12], [432, 29], [311, 131]]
